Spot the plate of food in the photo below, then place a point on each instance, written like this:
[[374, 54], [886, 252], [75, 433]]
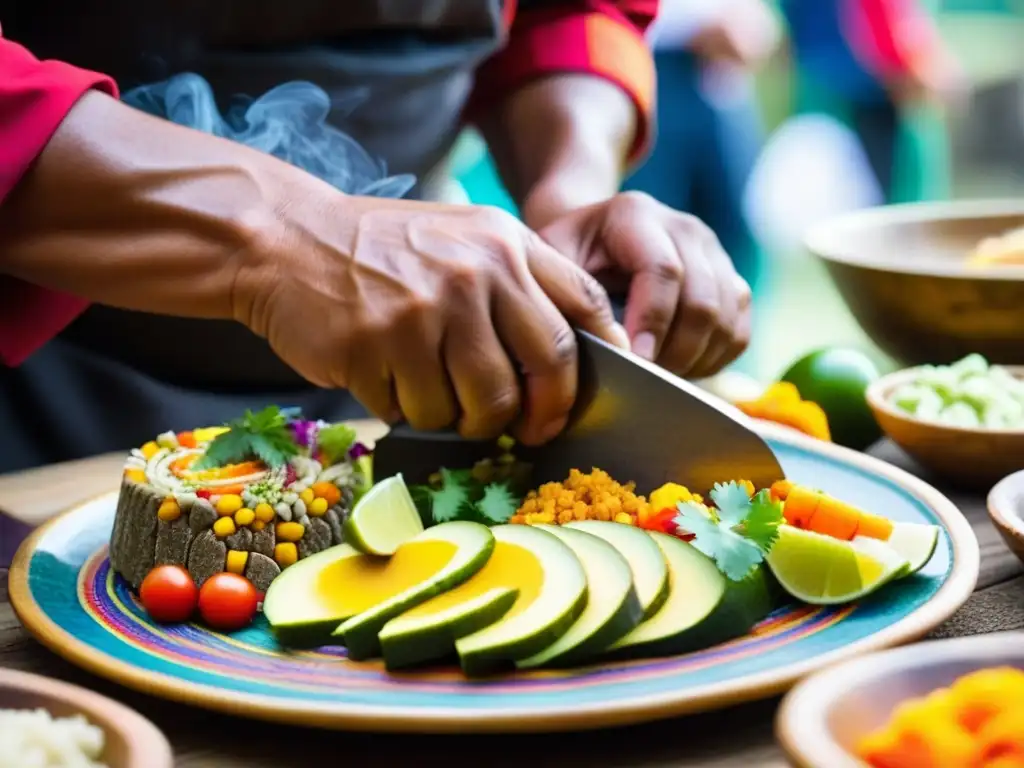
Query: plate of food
[[261, 568]]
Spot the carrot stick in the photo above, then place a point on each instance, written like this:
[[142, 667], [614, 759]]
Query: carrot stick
[[820, 513]]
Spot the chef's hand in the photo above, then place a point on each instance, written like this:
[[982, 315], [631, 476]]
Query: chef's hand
[[442, 315], [687, 308]]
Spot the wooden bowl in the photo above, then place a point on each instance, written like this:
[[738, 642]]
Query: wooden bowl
[[822, 719], [902, 272], [131, 740], [969, 457], [1006, 508]]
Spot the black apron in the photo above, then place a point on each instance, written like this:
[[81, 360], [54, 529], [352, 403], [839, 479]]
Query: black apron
[[397, 72]]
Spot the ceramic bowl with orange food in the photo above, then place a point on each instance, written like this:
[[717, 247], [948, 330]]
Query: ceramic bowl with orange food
[[942, 703], [932, 282]]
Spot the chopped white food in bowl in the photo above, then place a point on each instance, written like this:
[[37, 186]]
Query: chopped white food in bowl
[[33, 738]]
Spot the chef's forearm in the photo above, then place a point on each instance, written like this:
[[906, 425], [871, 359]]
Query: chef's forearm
[[561, 143], [127, 210]]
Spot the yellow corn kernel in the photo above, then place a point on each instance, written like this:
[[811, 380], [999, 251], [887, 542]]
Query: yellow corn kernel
[[624, 518], [228, 504], [286, 554], [258, 525], [206, 434], [290, 531], [149, 450], [317, 507], [224, 527], [264, 512], [307, 496], [169, 511], [244, 516], [236, 561], [136, 475]]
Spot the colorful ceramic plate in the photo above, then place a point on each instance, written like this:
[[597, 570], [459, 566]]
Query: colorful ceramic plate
[[63, 590]]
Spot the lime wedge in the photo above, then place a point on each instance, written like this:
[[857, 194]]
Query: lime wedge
[[383, 519], [822, 570], [915, 542]]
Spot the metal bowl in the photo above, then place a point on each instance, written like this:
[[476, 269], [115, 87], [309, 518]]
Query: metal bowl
[[902, 271]]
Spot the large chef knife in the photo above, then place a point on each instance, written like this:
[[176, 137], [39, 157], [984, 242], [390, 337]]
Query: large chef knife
[[633, 419]]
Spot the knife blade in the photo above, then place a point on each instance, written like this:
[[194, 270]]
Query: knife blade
[[632, 419]]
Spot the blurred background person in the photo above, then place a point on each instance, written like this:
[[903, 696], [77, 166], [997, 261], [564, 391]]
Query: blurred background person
[[881, 68]]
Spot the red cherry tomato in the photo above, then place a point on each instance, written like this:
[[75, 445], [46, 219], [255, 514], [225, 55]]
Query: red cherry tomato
[[168, 594], [227, 601]]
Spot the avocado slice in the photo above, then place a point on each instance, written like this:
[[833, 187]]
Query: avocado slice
[[703, 608], [552, 594], [308, 600], [646, 561], [302, 604], [428, 632], [467, 547], [612, 609]]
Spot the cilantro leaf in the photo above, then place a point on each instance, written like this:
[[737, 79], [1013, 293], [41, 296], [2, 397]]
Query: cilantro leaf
[[744, 530], [762, 523], [734, 554], [731, 501], [263, 435], [334, 441], [452, 500], [498, 503]]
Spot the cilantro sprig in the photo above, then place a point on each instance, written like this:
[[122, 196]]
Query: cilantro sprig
[[263, 435], [738, 532], [460, 496]]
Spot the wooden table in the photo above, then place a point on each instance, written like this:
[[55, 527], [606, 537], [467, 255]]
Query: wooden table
[[741, 736]]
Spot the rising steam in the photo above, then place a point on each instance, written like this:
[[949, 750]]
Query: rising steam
[[288, 122]]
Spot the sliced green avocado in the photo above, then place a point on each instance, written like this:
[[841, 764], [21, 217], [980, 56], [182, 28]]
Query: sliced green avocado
[[428, 632], [612, 609], [647, 563], [469, 545], [552, 594], [703, 608], [300, 615]]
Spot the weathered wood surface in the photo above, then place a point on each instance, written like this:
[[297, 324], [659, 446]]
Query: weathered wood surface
[[741, 736]]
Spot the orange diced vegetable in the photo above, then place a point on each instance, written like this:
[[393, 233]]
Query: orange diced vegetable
[[1002, 735], [781, 403], [186, 440], [981, 694], [800, 506], [328, 491], [874, 526], [780, 490], [821, 513], [836, 519]]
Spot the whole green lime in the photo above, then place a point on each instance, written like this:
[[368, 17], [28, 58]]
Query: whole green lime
[[836, 379]]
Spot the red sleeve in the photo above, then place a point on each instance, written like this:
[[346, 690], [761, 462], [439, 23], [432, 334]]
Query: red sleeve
[[891, 37], [599, 37], [35, 96]]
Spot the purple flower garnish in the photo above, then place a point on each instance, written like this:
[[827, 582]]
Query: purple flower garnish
[[357, 451], [305, 432]]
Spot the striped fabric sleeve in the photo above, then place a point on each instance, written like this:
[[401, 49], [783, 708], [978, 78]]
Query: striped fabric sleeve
[[604, 38], [35, 96]]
